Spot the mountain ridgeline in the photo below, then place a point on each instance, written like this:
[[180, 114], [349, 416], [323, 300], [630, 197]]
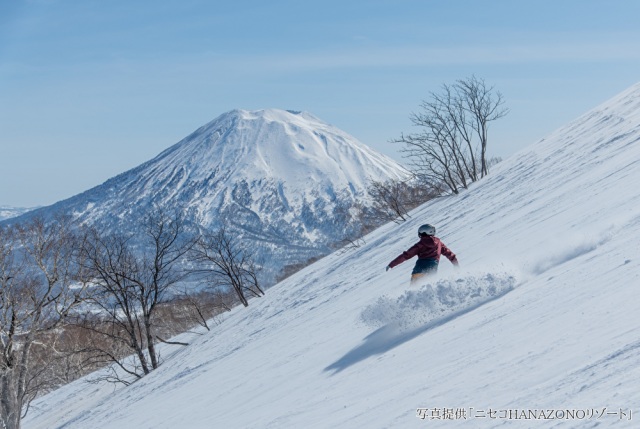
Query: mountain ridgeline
[[284, 182]]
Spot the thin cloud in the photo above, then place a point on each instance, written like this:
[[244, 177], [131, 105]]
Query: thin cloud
[[455, 56]]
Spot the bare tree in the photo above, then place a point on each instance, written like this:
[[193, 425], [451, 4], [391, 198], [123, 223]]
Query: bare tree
[[388, 199], [191, 308], [119, 324], [225, 264], [394, 199], [39, 287], [161, 267], [451, 148], [131, 276], [484, 105], [351, 243]]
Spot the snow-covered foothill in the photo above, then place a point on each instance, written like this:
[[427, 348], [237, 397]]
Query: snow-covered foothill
[[8, 212]]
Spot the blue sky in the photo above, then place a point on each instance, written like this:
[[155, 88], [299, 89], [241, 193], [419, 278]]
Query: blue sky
[[89, 89]]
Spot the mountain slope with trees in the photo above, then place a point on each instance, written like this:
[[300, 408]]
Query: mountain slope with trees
[[541, 316]]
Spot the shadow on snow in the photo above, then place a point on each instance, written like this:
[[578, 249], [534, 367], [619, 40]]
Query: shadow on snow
[[391, 336]]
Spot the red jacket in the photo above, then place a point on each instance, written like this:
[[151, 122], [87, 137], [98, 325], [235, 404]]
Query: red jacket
[[429, 247]]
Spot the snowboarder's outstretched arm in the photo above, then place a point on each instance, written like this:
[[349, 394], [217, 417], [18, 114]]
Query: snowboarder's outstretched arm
[[405, 256], [449, 254]]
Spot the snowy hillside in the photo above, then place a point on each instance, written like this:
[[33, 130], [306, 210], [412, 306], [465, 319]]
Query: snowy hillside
[[543, 315], [284, 180], [7, 212]]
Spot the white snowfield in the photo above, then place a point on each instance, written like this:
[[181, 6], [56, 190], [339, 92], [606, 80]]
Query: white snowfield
[[540, 328]]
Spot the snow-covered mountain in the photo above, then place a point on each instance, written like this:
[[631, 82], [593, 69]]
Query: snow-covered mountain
[[284, 180], [7, 212], [541, 321]]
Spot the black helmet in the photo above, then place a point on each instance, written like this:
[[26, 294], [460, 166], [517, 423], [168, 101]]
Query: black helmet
[[426, 230]]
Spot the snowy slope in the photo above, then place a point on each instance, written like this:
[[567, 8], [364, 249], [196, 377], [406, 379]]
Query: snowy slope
[[543, 315], [282, 179], [7, 212]]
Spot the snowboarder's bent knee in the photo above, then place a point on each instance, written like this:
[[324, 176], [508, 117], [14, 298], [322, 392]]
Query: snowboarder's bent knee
[[428, 250]]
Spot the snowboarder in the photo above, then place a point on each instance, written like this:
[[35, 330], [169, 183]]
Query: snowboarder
[[428, 250]]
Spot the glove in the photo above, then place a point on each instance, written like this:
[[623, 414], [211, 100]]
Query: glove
[[388, 268], [455, 263]]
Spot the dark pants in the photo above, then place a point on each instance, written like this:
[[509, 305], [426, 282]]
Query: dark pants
[[423, 268]]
